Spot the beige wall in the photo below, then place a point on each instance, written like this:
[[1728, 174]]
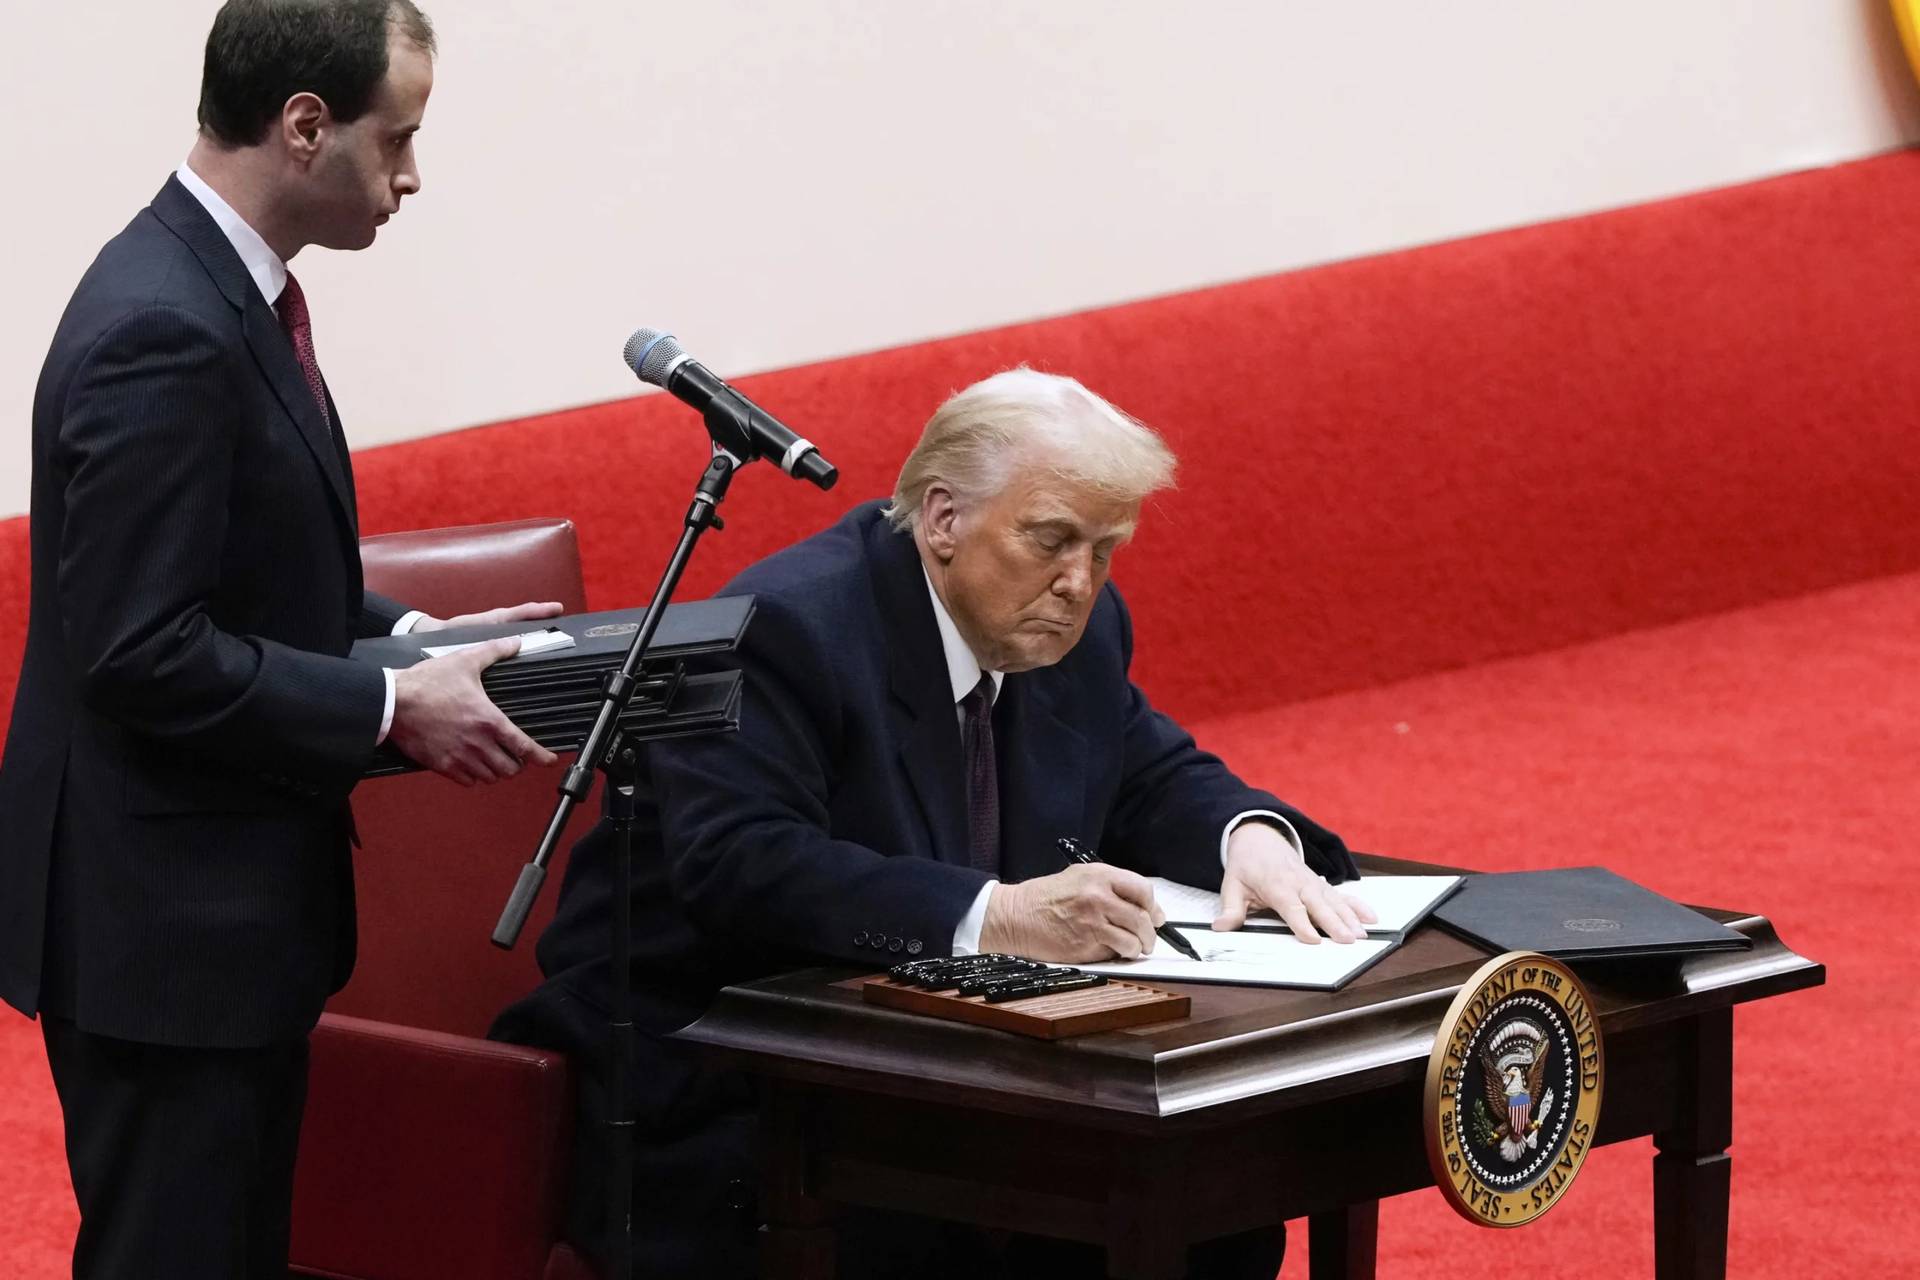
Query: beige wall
[[784, 180]]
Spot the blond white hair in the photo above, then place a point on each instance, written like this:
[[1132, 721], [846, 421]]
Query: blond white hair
[[1024, 418]]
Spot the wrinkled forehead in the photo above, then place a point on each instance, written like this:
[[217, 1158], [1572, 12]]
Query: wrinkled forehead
[[1041, 493]]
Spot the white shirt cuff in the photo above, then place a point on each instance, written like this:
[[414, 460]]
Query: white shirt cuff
[[400, 628], [1286, 829], [386, 715], [966, 935]]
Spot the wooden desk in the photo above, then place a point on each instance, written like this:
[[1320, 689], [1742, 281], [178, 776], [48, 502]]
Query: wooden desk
[[1264, 1105]]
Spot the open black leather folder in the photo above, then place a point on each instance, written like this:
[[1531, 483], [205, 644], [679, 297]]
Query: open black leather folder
[[555, 694], [1578, 913]]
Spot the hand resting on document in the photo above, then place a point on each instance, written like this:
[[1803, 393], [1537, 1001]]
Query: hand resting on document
[[1265, 870]]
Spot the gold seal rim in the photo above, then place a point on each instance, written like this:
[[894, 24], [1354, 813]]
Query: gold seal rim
[[1430, 1101]]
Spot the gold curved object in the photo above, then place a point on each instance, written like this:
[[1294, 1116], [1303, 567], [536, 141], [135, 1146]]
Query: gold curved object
[[1526, 989], [1906, 16]]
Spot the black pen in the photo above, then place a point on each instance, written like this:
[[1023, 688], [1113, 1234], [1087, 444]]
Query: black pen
[[1021, 977], [948, 979], [1045, 987], [915, 970], [1078, 852]]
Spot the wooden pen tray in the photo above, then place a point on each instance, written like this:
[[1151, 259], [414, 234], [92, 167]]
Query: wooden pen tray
[[1051, 1017]]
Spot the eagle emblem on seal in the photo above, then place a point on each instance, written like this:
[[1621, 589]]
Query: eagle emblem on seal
[[1514, 1064]]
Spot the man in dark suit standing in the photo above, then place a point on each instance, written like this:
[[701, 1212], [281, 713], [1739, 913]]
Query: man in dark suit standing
[[176, 893], [936, 690]]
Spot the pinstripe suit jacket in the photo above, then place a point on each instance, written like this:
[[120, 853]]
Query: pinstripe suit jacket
[[174, 837]]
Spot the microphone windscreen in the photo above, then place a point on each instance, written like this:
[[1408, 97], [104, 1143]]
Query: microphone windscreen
[[649, 354]]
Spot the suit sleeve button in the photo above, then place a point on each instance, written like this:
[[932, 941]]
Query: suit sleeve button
[[895, 944], [860, 939], [913, 947]]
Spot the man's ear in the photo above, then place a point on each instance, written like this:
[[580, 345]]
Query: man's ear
[[302, 121], [939, 521]]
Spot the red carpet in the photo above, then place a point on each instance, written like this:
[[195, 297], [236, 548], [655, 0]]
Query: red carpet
[[1700, 759], [36, 1201]]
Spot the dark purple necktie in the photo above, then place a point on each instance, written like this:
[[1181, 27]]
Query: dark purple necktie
[[292, 309], [983, 777]]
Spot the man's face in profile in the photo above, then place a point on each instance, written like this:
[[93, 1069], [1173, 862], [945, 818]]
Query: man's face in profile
[[1026, 567], [367, 167]]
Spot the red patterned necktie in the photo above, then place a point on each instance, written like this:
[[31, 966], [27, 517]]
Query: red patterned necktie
[[292, 309], [983, 778]]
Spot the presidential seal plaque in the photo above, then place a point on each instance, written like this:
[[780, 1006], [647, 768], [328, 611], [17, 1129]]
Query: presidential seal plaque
[[1513, 1090]]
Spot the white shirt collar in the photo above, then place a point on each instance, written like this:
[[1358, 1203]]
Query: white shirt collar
[[261, 262], [962, 667]]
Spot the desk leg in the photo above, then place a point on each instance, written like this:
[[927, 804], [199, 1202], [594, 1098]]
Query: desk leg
[[797, 1242], [1144, 1237], [1341, 1243], [1692, 1175]]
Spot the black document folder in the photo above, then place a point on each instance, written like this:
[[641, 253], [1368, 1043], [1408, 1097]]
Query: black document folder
[[600, 640], [554, 695], [1578, 913]]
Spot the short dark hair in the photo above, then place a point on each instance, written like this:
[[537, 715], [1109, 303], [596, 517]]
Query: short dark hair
[[262, 52]]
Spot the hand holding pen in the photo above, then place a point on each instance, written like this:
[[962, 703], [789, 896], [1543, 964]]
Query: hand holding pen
[[1077, 852], [1081, 913]]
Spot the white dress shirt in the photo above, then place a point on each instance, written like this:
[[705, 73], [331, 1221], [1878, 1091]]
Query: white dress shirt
[[270, 277], [963, 671]]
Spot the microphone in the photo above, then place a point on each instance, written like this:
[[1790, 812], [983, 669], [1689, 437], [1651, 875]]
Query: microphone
[[737, 424]]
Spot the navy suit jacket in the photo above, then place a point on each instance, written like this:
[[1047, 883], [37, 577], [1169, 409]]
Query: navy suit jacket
[[174, 855], [833, 825]]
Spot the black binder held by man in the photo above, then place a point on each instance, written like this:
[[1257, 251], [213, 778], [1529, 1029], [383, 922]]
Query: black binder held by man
[[552, 689]]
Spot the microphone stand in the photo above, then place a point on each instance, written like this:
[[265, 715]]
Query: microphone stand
[[616, 754]]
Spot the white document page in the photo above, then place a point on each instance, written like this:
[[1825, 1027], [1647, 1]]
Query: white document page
[[1263, 959], [1398, 901], [530, 642]]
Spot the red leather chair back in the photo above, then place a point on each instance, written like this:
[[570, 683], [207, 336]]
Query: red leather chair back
[[477, 566], [437, 860]]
